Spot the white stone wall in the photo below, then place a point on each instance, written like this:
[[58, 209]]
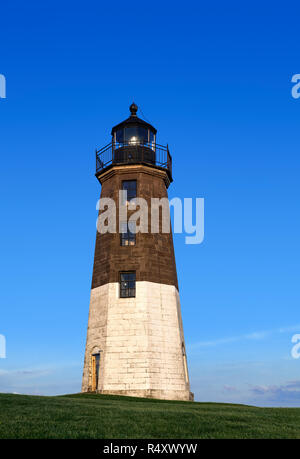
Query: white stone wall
[[140, 340]]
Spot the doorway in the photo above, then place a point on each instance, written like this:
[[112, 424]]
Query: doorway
[[95, 371]]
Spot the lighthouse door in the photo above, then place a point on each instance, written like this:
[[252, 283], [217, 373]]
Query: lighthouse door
[[95, 371]]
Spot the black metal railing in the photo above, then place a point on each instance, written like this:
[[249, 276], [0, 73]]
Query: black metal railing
[[129, 153]]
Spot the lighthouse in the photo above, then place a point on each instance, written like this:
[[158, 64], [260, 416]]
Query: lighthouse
[[135, 343]]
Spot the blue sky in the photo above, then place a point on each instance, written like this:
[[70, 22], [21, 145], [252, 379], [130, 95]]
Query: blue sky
[[215, 80]]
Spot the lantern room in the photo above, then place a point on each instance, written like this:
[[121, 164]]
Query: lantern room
[[134, 131], [133, 142]]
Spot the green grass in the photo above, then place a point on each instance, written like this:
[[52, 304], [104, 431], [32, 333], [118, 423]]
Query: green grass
[[105, 416]]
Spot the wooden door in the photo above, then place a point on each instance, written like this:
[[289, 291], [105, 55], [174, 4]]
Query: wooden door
[[95, 371]]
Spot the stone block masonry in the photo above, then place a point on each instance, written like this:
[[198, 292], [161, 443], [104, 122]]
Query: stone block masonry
[[140, 341]]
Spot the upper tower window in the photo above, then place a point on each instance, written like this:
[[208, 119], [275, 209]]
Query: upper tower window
[[128, 233], [130, 187]]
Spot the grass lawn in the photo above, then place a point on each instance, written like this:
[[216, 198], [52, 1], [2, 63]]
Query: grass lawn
[[105, 416]]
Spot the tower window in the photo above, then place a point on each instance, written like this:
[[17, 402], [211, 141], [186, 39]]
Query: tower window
[[127, 233], [127, 285], [130, 187]]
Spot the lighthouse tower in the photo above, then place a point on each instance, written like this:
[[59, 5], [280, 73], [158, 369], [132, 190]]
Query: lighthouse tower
[[135, 343]]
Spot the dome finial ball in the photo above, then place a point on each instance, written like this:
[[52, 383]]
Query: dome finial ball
[[133, 109]]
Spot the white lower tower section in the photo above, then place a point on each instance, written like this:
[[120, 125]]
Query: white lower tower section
[[139, 343]]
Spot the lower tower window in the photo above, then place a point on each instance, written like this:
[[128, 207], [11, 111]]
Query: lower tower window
[[127, 284]]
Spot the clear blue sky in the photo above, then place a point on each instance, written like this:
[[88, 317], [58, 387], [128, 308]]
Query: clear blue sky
[[215, 81]]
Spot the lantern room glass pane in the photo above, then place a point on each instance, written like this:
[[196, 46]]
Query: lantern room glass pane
[[143, 135], [120, 136], [151, 140], [131, 135], [136, 135]]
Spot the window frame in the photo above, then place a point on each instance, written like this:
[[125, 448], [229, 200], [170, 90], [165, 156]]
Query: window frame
[[129, 198], [129, 288], [127, 236]]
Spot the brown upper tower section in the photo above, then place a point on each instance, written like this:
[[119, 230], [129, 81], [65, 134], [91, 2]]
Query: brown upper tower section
[[134, 156]]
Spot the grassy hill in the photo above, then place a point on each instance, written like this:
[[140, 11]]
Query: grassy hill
[[104, 416]]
